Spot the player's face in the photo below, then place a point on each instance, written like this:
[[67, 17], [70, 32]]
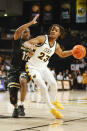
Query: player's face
[[26, 34], [55, 32]]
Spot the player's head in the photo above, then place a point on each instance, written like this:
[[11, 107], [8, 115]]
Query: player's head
[[26, 34], [56, 31]]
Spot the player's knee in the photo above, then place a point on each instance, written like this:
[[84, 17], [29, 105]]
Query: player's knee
[[13, 95], [13, 100], [53, 83], [23, 82]]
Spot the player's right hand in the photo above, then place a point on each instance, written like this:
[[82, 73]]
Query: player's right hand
[[35, 19]]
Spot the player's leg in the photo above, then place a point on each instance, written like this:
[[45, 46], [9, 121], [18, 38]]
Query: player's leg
[[38, 81], [13, 92], [13, 85], [23, 89], [36, 76], [49, 78], [44, 91]]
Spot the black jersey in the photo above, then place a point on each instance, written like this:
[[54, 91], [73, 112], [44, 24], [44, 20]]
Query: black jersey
[[20, 54]]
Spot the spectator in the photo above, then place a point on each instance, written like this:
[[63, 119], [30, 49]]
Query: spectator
[[79, 81], [60, 76], [71, 81], [66, 75], [85, 79]]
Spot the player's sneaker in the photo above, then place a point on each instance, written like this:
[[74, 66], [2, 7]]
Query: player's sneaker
[[57, 114], [21, 110], [15, 113], [58, 105]]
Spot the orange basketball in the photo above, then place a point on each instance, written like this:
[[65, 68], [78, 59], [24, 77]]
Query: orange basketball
[[79, 51]]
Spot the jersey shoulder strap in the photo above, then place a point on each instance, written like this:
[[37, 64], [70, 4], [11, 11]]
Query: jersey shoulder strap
[[46, 39]]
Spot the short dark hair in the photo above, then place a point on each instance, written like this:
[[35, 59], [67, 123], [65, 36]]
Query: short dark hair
[[61, 30]]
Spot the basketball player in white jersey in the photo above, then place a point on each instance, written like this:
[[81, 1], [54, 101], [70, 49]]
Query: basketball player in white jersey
[[37, 65]]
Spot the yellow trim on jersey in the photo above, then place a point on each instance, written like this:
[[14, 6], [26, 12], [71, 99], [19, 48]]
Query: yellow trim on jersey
[[13, 83], [26, 66], [29, 74], [30, 78], [27, 70], [14, 86]]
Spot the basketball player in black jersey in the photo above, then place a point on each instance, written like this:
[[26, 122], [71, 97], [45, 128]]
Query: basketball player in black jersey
[[17, 78]]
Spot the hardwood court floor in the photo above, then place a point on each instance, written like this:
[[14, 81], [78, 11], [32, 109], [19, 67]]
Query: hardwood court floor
[[38, 117]]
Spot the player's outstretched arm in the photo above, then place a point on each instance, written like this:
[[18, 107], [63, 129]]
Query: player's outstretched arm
[[35, 41], [23, 27], [62, 53]]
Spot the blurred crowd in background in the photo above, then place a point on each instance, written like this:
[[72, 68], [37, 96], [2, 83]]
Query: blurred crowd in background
[[75, 73]]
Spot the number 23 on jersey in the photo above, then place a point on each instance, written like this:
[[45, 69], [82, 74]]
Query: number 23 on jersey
[[43, 57]]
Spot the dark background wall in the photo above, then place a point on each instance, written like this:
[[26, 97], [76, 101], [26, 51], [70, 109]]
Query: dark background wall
[[20, 11]]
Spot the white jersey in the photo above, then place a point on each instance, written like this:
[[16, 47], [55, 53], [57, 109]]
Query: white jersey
[[43, 53]]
